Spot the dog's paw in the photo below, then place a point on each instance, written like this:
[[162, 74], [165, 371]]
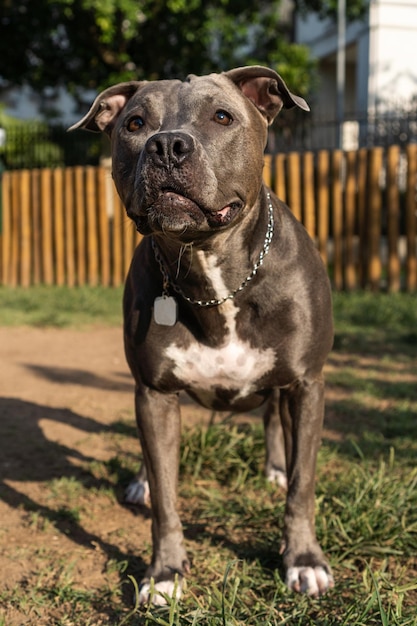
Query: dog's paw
[[278, 477], [156, 593], [138, 492], [314, 581]]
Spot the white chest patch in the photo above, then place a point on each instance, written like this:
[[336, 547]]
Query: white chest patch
[[234, 365]]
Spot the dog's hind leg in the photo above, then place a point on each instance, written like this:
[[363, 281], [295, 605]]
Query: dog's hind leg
[[275, 467], [137, 491]]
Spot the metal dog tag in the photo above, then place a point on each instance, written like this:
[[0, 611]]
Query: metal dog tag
[[165, 311]]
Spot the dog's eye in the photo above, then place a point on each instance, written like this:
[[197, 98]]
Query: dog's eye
[[135, 124], [223, 117]]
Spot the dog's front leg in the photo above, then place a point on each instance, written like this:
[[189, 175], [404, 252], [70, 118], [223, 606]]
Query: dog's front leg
[[302, 410], [158, 419]]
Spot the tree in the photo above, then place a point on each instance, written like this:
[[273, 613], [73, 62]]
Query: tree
[[355, 9], [94, 43]]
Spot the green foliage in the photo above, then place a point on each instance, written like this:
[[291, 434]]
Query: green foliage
[[355, 9], [28, 144], [94, 43]]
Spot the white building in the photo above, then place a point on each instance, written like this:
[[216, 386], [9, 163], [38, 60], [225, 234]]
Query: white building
[[381, 66]]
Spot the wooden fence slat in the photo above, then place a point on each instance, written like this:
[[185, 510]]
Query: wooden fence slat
[[127, 228], [14, 230], [323, 203], [294, 184], [6, 227], [118, 211], [59, 230], [92, 246], [103, 225], [280, 183], [47, 226], [393, 219], [69, 214], [36, 227], [80, 225], [362, 214], [337, 214], [25, 247], [308, 193], [374, 218], [411, 206], [267, 170], [350, 215]]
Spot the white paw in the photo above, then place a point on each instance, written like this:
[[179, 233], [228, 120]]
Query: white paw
[[153, 593], [314, 581], [137, 492], [278, 477]]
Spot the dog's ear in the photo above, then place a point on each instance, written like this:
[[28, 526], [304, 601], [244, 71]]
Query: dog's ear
[[106, 108], [266, 89]]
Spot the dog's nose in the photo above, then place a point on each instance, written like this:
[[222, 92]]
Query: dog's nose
[[169, 149]]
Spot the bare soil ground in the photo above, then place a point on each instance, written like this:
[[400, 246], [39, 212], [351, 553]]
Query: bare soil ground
[[60, 390]]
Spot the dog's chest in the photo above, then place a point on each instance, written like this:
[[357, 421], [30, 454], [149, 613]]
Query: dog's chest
[[234, 365]]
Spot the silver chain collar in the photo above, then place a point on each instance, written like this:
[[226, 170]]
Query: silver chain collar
[[205, 303]]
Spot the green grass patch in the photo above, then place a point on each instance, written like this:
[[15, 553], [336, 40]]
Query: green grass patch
[[60, 307], [375, 322], [360, 316]]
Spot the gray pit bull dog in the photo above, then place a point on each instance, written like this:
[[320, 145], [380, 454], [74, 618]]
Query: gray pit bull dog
[[226, 298]]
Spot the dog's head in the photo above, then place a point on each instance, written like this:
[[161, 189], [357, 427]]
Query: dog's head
[[188, 156]]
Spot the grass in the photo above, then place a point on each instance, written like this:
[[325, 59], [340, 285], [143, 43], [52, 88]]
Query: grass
[[376, 321], [60, 307], [366, 505], [359, 316]]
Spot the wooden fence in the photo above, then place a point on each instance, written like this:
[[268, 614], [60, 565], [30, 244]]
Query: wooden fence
[[64, 227], [68, 226]]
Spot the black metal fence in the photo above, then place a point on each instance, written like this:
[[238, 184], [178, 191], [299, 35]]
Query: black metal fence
[[298, 131], [28, 146]]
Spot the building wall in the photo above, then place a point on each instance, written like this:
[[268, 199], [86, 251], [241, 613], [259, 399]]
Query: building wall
[[381, 51], [392, 54]]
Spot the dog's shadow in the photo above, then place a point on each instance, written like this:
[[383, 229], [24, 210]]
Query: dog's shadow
[[28, 456], [86, 378], [264, 551]]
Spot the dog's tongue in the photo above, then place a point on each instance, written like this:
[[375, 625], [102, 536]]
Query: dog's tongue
[[225, 215], [221, 216], [224, 211]]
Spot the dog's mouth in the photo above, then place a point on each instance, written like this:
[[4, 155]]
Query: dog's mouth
[[172, 210], [224, 216]]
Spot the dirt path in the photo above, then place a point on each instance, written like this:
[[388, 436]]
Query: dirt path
[[60, 390], [81, 370]]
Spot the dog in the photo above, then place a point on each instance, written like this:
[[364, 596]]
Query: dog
[[226, 298]]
